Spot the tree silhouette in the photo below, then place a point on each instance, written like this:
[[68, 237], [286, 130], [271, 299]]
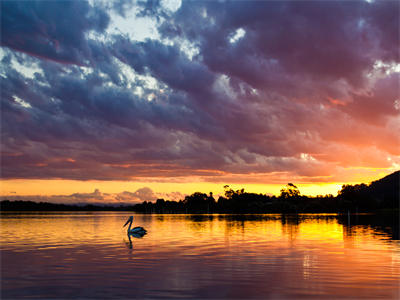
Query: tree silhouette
[[290, 191]]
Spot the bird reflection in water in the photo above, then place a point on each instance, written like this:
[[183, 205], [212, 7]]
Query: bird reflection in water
[[134, 235]]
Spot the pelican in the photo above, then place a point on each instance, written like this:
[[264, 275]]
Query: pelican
[[136, 230]]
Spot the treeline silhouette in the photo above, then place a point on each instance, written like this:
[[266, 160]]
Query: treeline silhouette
[[380, 195]]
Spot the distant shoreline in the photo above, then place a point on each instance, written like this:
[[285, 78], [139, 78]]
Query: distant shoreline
[[19, 205], [7, 206], [382, 195]]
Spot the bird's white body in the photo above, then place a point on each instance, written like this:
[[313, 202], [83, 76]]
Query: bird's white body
[[136, 230]]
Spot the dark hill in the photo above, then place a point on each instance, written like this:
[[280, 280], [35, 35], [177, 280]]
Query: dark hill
[[387, 189], [379, 194]]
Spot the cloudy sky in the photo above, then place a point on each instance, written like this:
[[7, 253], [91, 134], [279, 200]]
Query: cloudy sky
[[132, 100]]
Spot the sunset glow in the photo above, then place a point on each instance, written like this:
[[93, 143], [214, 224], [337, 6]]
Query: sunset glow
[[130, 101]]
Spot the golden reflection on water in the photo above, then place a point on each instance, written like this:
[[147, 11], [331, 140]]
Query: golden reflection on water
[[309, 255]]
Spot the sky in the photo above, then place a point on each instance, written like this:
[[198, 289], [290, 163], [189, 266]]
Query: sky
[[130, 101]]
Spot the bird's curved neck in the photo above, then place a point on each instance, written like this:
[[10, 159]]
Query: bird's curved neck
[[130, 224]]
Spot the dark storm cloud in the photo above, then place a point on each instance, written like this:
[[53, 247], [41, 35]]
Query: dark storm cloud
[[303, 79], [290, 41], [168, 64], [53, 30]]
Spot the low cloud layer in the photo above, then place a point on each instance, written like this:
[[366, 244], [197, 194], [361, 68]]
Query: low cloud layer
[[98, 197], [223, 90]]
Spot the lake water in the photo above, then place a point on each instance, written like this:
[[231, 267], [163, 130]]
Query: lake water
[[89, 255]]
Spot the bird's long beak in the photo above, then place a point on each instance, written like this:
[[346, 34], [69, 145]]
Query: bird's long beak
[[127, 222]]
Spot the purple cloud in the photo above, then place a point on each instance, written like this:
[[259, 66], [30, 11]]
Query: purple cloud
[[301, 81], [37, 28]]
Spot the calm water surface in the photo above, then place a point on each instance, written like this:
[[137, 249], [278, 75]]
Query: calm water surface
[[89, 255]]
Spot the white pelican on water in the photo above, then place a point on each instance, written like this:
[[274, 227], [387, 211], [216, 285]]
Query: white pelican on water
[[136, 230]]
